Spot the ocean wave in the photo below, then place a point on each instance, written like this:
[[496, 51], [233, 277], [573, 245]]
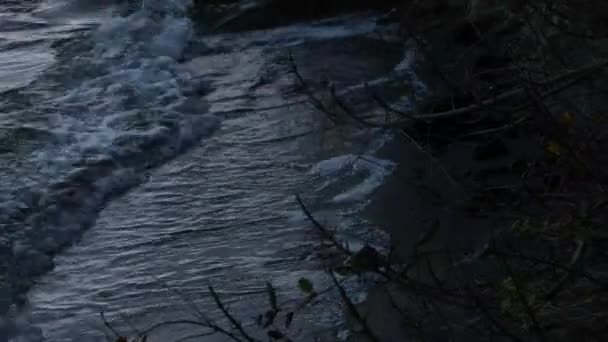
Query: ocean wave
[[114, 105]]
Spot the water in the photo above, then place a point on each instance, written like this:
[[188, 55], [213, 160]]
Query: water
[[136, 170]]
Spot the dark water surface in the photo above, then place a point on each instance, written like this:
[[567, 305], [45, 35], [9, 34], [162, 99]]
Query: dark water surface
[[151, 150]]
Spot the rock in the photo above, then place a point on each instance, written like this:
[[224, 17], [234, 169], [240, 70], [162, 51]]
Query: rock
[[491, 149], [367, 259]]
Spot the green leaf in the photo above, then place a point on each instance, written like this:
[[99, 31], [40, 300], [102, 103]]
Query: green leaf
[[305, 285], [553, 148], [566, 119]]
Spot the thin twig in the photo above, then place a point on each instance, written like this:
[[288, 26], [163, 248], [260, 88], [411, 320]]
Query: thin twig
[[109, 326], [180, 322], [488, 315], [383, 104], [405, 318], [259, 109], [190, 303], [133, 327], [190, 337], [352, 309], [229, 316], [432, 158], [569, 78], [317, 103], [324, 231], [576, 257], [497, 129], [519, 291]]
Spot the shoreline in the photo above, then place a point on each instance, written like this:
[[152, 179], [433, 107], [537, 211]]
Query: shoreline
[[491, 181], [496, 207]]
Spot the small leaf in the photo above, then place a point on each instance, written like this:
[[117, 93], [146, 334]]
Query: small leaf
[[508, 285], [305, 285], [566, 119], [553, 148], [288, 319], [275, 334], [505, 305]]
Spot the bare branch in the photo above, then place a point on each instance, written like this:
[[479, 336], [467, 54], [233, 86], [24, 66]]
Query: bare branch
[[352, 309], [229, 316], [324, 231], [316, 102], [109, 326], [519, 291]]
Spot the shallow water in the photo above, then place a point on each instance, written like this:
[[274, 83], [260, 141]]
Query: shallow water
[[151, 150]]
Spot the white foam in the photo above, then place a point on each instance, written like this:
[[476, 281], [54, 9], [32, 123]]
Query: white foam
[[333, 166], [172, 40], [122, 110], [375, 170], [126, 84]]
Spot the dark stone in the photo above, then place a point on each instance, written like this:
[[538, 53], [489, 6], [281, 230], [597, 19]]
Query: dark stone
[[494, 148]]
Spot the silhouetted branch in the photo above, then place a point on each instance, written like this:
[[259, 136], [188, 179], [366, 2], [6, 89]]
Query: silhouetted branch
[[328, 235], [574, 261], [109, 326], [316, 102], [190, 322], [352, 309], [520, 293], [567, 78], [229, 316], [488, 315], [195, 336]]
